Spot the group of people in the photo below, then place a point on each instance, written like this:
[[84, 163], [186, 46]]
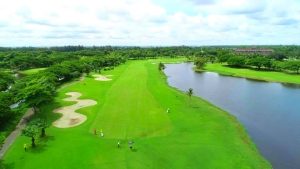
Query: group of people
[[101, 133], [130, 143]]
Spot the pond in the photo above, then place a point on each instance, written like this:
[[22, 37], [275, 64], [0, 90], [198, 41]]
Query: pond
[[270, 112]]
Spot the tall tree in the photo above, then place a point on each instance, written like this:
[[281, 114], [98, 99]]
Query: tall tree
[[31, 131]]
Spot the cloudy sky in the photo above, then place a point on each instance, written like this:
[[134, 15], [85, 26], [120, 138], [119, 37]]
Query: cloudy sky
[[149, 22]]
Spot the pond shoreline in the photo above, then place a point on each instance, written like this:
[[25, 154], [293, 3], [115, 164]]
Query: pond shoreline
[[267, 110], [229, 72]]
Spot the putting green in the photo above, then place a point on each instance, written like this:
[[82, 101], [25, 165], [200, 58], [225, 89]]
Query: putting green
[[195, 134]]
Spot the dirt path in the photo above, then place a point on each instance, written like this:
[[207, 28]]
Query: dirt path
[[69, 116], [13, 135]]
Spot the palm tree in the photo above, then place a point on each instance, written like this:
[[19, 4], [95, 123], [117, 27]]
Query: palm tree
[[190, 92]]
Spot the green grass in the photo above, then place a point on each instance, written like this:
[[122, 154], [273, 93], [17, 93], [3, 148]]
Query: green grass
[[195, 134], [270, 76], [31, 71]]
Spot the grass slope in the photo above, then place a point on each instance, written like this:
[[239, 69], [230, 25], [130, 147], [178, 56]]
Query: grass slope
[[31, 71], [195, 134], [253, 74]]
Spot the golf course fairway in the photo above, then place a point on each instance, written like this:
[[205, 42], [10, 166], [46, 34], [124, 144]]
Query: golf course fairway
[[133, 106]]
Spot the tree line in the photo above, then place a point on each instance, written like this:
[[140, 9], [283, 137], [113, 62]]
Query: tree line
[[277, 61], [26, 58], [263, 62]]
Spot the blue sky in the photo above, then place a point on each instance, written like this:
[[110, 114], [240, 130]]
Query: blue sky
[[149, 22]]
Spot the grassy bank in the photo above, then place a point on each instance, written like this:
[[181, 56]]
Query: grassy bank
[[254, 74], [195, 134], [31, 71]]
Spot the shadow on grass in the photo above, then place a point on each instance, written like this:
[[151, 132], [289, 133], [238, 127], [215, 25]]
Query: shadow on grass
[[41, 145], [4, 165]]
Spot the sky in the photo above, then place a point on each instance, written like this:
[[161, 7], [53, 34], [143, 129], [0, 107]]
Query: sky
[[149, 22]]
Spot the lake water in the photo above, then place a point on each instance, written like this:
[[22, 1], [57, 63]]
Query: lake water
[[270, 112]]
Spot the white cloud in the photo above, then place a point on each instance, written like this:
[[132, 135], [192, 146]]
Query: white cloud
[[146, 22]]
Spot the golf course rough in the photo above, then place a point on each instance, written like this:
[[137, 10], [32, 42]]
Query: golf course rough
[[69, 116], [132, 106]]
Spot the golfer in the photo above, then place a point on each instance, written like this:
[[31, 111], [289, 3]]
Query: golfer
[[25, 147], [168, 110], [130, 144]]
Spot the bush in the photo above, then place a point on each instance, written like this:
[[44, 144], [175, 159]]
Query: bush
[[236, 61], [200, 62]]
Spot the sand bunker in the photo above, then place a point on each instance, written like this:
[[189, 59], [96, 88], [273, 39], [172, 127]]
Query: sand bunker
[[102, 77], [69, 117]]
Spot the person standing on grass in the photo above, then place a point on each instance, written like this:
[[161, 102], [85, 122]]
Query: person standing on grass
[[101, 133], [130, 144], [168, 110], [25, 147], [119, 144]]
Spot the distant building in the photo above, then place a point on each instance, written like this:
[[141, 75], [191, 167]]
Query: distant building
[[248, 51]]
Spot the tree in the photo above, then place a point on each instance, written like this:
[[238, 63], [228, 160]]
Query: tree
[[161, 66], [41, 124], [35, 90], [200, 62], [236, 61], [87, 65], [190, 92], [5, 112], [224, 58], [277, 65], [292, 66], [278, 56], [31, 131], [259, 62], [5, 80]]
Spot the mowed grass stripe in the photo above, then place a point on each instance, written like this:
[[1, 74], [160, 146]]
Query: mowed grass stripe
[[130, 110]]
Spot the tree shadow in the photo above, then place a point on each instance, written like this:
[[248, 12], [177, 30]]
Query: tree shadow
[[4, 165], [41, 145]]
